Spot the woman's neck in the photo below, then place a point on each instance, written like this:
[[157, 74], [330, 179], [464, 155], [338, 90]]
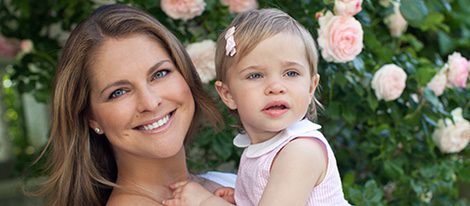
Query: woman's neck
[[149, 175]]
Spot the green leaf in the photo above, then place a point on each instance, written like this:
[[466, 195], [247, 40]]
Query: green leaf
[[372, 100], [424, 75], [414, 11], [446, 44], [393, 170], [433, 100], [372, 193]]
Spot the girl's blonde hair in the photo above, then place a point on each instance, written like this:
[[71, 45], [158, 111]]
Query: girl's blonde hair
[[81, 164], [254, 26]]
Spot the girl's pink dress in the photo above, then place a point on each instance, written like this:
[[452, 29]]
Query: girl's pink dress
[[256, 160]]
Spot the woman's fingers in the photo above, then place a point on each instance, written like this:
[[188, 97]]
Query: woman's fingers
[[178, 184]]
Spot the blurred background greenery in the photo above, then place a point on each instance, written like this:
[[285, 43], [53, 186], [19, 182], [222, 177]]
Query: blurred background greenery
[[385, 150]]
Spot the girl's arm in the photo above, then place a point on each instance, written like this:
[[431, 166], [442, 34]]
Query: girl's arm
[[297, 169]]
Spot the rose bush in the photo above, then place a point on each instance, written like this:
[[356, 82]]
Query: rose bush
[[388, 152]]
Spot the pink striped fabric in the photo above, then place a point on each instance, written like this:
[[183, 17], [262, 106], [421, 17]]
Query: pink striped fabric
[[255, 164]]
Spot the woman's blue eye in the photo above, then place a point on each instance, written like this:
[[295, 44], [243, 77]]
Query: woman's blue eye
[[117, 93], [292, 74], [255, 76], [160, 74]]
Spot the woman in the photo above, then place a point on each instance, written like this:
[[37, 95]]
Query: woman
[[126, 97]]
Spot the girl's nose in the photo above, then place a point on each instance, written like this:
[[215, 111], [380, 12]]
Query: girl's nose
[[275, 87], [148, 100]]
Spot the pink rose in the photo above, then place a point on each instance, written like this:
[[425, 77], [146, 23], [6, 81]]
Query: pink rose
[[458, 70], [8, 48], [339, 38], [183, 9], [395, 22], [238, 6], [452, 136], [203, 57], [347, 7], [438, 82], [389, 82]]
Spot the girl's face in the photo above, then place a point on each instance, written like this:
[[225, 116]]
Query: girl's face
[[138, 98], [271, 87]]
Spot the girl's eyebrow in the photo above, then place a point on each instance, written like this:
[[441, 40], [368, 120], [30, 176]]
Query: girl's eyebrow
[[124, 82], [292, 63], [251, 67]]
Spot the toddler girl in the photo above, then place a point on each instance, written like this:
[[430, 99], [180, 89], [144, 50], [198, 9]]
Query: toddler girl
[[267, 72]]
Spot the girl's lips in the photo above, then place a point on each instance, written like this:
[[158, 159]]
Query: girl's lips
[[276, 105], [276, 109]]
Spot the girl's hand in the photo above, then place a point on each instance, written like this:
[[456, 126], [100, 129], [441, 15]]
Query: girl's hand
[[226, 193], [187, 193]]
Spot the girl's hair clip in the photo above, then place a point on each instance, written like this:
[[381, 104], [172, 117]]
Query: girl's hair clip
[[230, 42]]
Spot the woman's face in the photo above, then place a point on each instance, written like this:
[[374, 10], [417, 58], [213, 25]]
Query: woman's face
[[138, 98]]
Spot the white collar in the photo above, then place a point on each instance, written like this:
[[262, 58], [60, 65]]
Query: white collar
[[255, 150]]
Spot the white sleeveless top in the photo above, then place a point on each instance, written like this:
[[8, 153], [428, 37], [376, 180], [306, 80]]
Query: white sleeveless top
[[256, 161]]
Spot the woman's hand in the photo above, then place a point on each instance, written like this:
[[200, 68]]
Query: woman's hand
[[188, 193]]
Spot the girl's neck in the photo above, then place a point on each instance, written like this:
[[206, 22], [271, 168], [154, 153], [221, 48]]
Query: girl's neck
[[151, 176], [259, 137]]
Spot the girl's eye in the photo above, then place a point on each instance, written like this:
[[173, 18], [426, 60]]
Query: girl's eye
[[160, 74], [254, 76], [117, 93], [292, 74]]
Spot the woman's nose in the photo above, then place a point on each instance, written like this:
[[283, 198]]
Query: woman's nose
[[148, 100]]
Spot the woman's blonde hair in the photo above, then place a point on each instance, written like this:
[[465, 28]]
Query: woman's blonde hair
[[254, 26], [81, 164]]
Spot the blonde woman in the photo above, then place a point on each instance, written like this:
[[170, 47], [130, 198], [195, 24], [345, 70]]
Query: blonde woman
[[126, 97]]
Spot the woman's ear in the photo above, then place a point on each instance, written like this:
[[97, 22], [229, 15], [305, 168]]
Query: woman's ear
[[95, 126], [314, 84], [224, 93]]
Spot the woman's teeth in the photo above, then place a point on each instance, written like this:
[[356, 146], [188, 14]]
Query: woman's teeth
[[157, 124]]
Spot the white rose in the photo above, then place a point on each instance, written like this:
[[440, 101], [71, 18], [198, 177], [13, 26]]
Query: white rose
[[203, 57], [452, 137], [389, 82], [395, 22], [438, 82]]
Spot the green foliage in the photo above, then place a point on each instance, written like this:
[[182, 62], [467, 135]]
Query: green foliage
[[384, 150]]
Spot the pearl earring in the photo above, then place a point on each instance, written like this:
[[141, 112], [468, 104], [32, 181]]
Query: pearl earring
[[98, 130]]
